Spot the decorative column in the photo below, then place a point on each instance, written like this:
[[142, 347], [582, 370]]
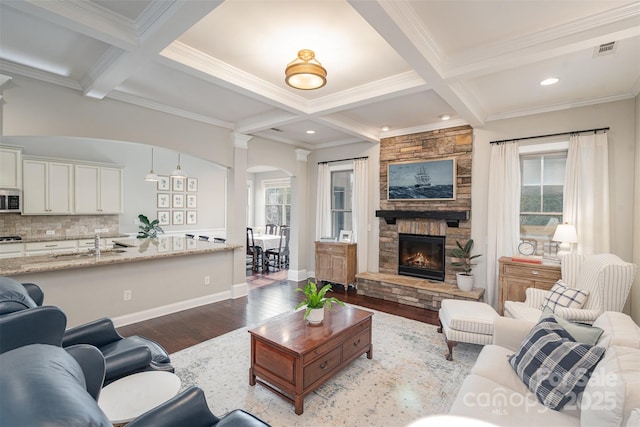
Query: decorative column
[[297, 247], [3, 79], [237, 211]]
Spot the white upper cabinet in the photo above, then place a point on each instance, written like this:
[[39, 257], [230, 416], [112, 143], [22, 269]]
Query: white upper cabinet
[[10, 167], [98, 190], [47, 188]]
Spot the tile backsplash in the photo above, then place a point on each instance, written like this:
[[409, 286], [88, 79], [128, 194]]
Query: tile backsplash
[[35, 226]]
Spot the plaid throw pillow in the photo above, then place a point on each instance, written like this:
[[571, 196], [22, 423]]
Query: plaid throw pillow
[[562, 296], [553, 366]]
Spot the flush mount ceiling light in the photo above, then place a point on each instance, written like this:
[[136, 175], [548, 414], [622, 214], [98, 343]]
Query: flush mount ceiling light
[[385, 128], [311, 132], [444, 116], [178, 172], [549, 81], [151, 176], [305, 72]]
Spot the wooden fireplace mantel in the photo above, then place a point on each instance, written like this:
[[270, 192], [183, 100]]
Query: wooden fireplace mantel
[[452, 217]]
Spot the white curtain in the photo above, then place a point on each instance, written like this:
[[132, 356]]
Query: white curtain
[[503, 214], [586, 192], [323, 205], [360, 204]]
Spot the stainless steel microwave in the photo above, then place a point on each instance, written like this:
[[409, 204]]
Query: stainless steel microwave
[[10, 201]]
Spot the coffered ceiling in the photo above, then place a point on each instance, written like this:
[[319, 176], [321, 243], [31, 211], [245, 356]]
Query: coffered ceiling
[[395, 63]]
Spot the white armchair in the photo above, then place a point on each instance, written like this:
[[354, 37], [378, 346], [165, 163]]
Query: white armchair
[[606, 277]]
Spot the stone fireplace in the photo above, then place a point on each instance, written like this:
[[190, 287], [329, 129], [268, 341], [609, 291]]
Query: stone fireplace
[[444, 220]]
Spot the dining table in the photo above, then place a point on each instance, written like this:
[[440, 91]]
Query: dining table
[[266, 241]]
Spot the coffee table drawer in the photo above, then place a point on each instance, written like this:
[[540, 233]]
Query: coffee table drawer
[[275, 362], [356, 345], [321, 367]]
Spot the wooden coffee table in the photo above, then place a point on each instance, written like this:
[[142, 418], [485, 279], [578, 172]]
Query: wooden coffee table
[[292, 358]]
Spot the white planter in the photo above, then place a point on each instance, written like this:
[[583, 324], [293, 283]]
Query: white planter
[[465, 283], [316, 316]]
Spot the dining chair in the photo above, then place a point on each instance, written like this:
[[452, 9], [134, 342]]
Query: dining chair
[[253, 251], [279, 255], [271, 229]]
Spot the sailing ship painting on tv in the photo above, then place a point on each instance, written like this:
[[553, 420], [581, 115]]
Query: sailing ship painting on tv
[[422, 180]]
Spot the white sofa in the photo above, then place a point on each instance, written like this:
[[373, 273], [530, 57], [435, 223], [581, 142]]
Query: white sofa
[[494, 393]]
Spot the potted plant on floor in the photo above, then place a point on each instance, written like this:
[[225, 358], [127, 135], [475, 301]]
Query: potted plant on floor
[[462, 256], [315, 301]]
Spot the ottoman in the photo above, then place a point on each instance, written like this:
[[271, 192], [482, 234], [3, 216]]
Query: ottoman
[[466, 321]]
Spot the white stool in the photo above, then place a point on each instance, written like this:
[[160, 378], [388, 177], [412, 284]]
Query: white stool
[[466, 321]]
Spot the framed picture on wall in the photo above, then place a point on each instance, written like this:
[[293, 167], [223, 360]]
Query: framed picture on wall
[[163, 218], [422, 180], [178, 201], [178, 218], [192, 184], [192, 201], [192, 217], [163, 183], [163, 200], [177, 183]]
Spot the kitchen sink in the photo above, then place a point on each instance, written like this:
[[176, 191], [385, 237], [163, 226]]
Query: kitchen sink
[[105, 252]]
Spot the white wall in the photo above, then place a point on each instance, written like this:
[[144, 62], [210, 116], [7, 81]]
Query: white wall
[[619, 116]]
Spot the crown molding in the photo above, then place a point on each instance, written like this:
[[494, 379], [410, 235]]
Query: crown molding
[[426, 128], [45, 76], [558, 107]]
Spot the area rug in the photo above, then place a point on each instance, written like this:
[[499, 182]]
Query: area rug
[[408, 378]]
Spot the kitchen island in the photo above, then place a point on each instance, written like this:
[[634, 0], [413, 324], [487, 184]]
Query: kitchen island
[[139, 279]]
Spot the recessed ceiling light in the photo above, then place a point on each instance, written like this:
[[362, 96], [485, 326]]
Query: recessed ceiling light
[[549, 81], [311, 131], [385, 128], [444, 117]]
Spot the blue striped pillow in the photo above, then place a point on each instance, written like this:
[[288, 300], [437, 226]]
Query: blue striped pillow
[[553, 365]]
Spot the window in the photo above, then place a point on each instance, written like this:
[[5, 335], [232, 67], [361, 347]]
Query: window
[[277, 201], [341, 201], [541, 197]]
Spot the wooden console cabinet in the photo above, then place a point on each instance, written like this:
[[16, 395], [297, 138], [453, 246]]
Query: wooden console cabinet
[[336, 263], [515, 277]]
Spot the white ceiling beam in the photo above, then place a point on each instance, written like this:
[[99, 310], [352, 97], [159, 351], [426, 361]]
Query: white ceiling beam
[[397, 23], [350, 127], [160, 24], [267, 120]]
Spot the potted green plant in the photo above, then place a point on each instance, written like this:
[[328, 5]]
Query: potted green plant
[[148, 228], [463, 257], [315, 301]]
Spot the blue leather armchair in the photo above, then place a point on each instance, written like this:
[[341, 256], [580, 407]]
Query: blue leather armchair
[[47, 385], [190, 408], [19, 306]]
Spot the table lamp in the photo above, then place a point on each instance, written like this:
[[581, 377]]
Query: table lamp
[[566, 235]]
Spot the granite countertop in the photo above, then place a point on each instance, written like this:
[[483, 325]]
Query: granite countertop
[[60, 238], [133, 250]]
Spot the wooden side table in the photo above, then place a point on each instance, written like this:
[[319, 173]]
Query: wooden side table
[[516, 276], [336, 263]]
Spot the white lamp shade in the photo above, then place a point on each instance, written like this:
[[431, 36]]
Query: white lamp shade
[[178, 173], [565, 233], [151, 177]]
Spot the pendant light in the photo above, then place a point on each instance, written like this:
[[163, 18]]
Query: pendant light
[[151, 176], [178, 172]]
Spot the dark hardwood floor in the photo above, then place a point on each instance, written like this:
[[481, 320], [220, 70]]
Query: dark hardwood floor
[[269, 295]]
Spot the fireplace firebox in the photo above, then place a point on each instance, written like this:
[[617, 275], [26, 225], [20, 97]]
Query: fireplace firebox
[[421, 256]]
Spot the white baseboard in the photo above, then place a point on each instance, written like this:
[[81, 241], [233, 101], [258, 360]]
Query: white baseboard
[[297, 275], [239, 290], [151, 313]]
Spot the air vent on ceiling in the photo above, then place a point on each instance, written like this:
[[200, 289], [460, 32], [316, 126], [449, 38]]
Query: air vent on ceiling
[[277, 130], [605, 49]]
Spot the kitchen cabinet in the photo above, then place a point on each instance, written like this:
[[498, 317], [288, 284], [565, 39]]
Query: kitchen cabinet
[[336, 263], [10, 167], [98, 190], [50, 247], [47, 187], [516, 277], [11, 250]]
